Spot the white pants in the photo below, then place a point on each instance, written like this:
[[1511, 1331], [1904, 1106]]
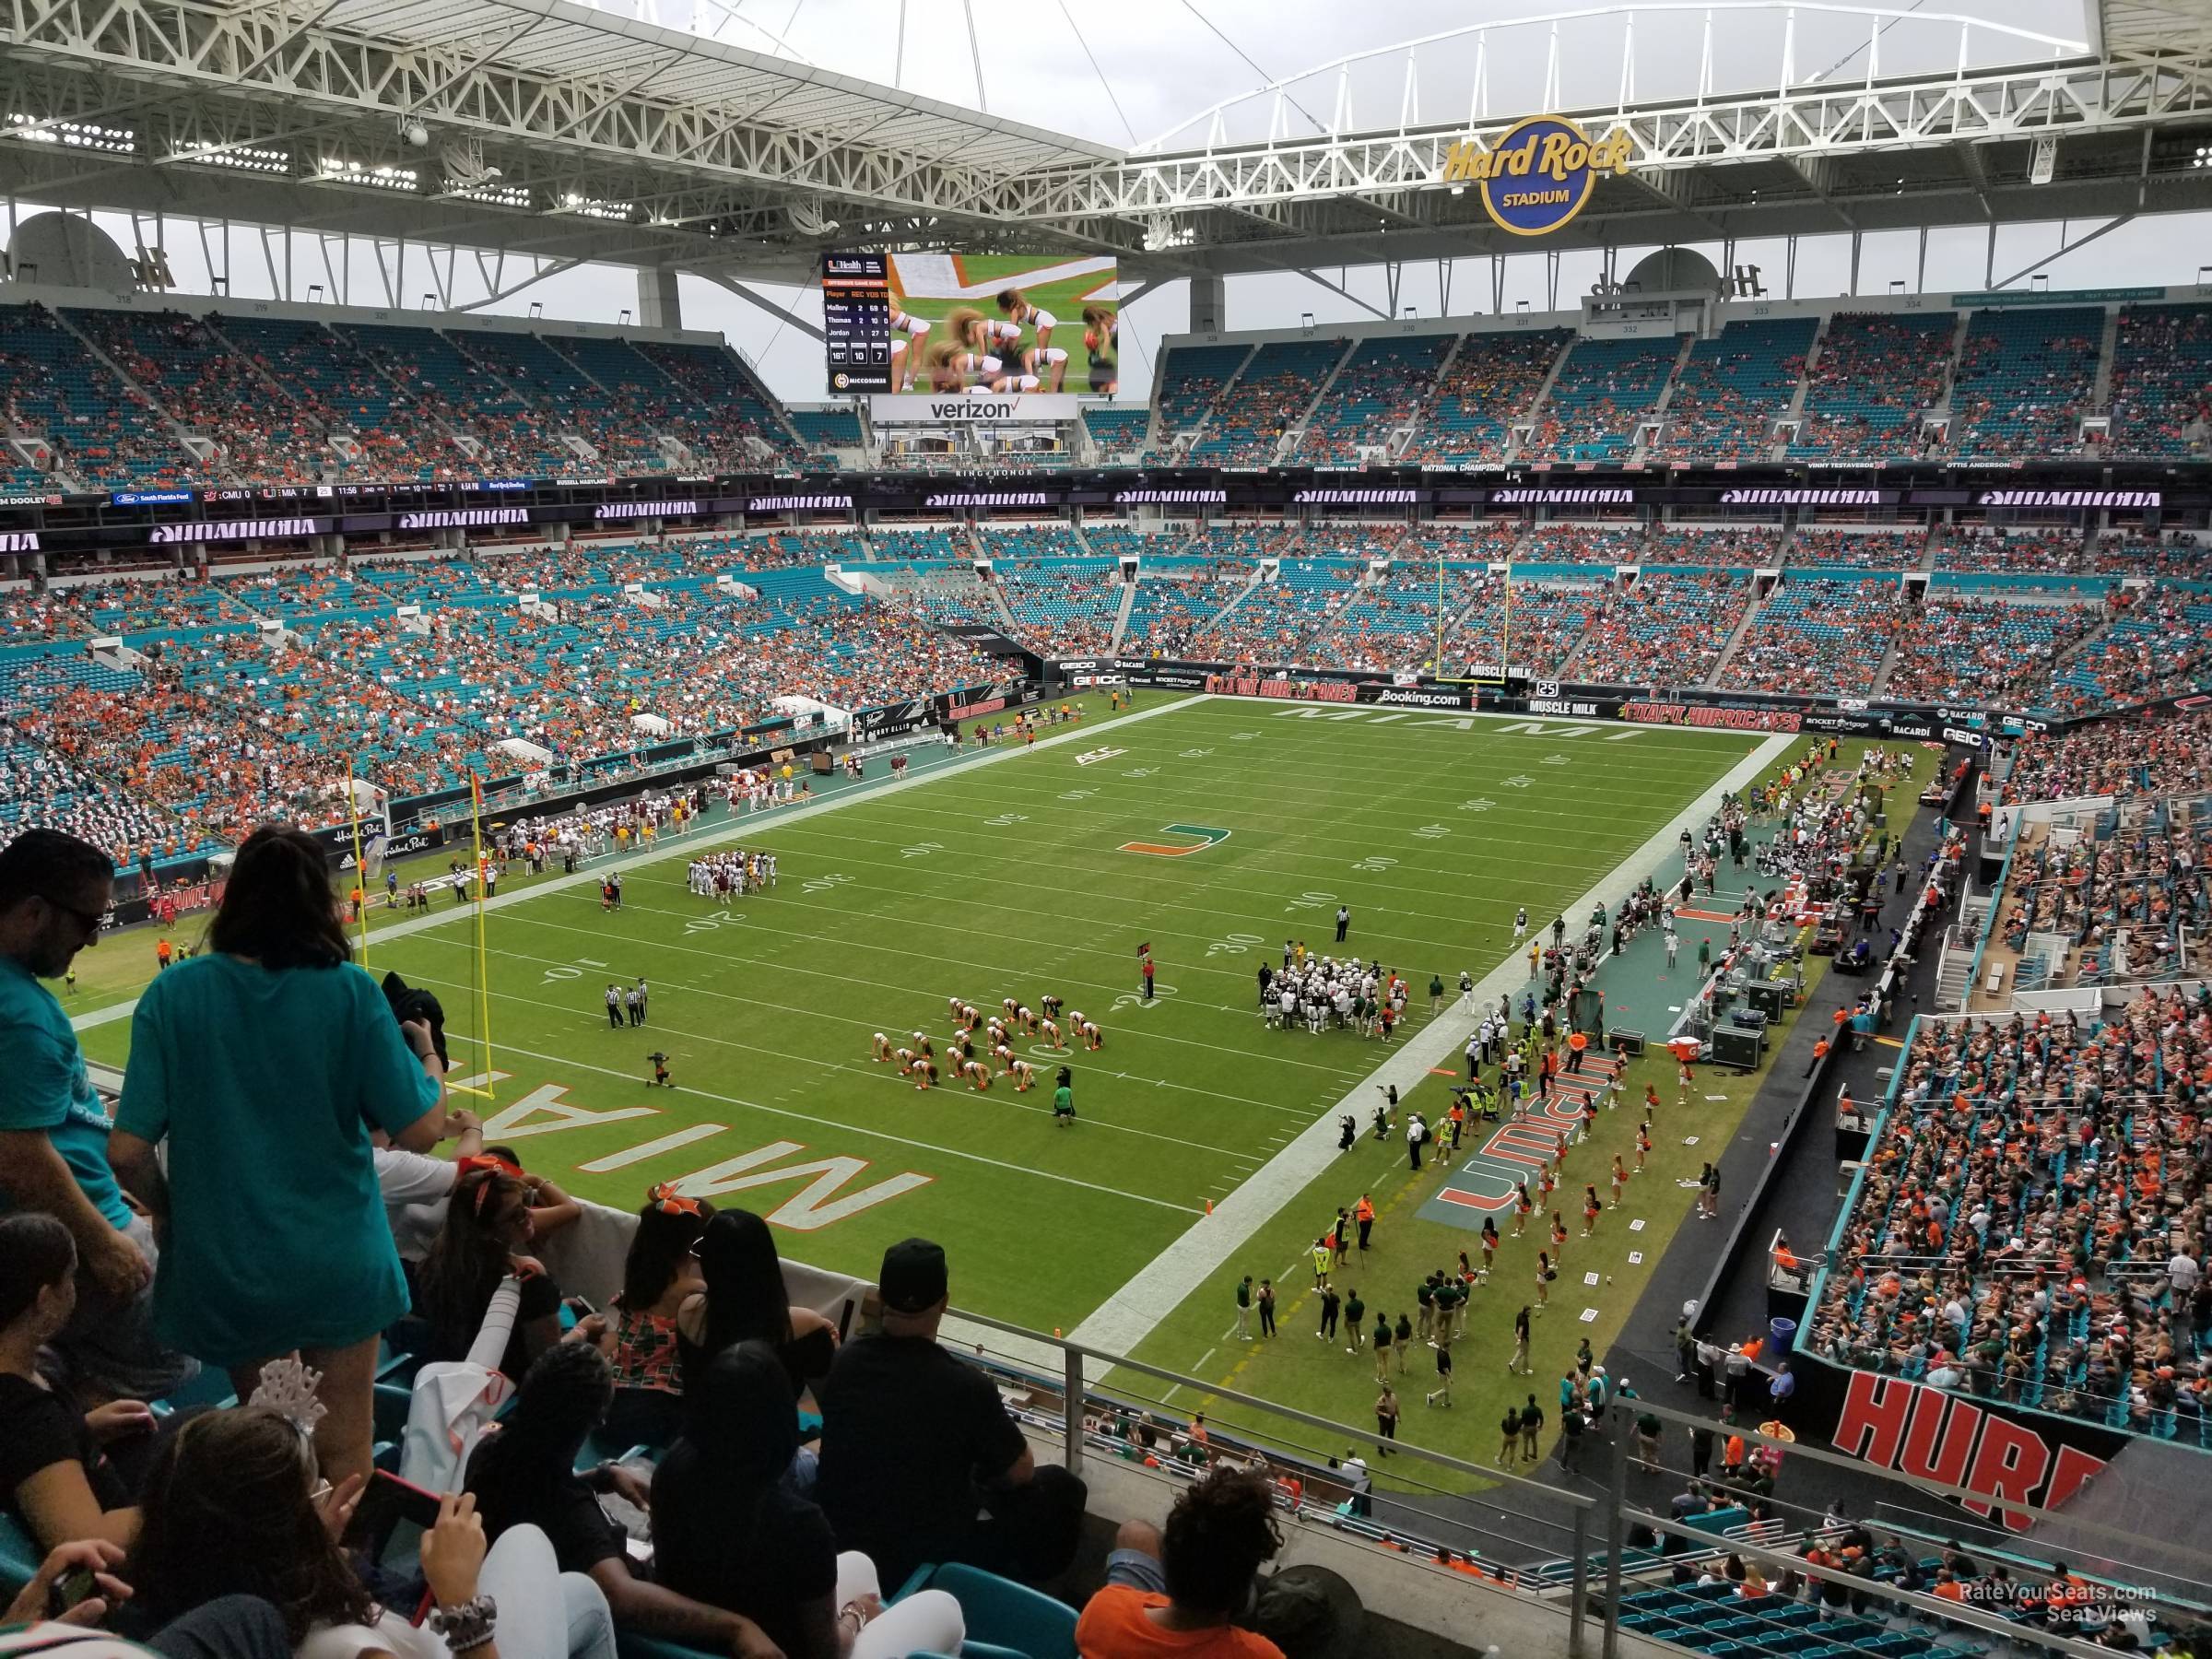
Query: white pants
[[928, 1621], [544, 1612]]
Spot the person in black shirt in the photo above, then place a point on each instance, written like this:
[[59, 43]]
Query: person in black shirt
[[54, 1474], [915, 1443], [527, 1473], [729, 1530]]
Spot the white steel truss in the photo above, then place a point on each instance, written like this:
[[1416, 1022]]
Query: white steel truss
[[550, 130]]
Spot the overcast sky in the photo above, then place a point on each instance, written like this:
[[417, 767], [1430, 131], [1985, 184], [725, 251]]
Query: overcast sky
[[1144, 70]]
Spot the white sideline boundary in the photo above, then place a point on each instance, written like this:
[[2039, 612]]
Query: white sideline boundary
[[664, 846], [1132, 1314]]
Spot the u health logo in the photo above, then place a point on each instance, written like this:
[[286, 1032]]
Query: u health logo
[[1540, 172]]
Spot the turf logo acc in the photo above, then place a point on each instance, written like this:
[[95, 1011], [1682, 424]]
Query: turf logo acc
[[1539, 173]]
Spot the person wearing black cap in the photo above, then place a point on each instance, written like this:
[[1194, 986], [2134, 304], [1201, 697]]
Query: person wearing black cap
[[915, 1443]]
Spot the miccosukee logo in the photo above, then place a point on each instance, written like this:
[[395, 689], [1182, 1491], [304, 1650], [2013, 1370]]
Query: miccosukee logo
[[1540, 172]]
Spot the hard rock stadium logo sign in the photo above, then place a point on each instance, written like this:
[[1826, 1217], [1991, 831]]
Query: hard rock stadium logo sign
[[1539, 173]]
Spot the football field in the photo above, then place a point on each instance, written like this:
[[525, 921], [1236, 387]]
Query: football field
[[1211, 829]]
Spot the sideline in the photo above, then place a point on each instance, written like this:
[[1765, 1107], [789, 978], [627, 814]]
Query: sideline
[[1132, 1314], [665, 846]]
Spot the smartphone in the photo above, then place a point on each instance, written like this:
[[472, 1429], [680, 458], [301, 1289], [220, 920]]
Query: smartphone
[[387, 1501], [74, 1587], [579, 1306]]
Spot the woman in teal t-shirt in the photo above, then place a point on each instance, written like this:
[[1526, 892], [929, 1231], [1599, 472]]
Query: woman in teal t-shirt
[[264, 1063]]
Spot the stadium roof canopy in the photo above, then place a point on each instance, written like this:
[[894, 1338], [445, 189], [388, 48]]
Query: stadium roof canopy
[[547, 128]]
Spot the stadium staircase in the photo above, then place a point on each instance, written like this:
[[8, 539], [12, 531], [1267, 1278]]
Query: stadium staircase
[[1654, 419], [1942, 409], [1251, 581], [1805, 385], [1121, 616], [1401, 439], [1529, 416], [93, 349], [1197, 428], [1743, 627], [2100, 400], [1294, 434]]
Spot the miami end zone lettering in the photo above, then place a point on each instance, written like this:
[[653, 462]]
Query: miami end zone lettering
[[817, 1204], [1924, 1432]]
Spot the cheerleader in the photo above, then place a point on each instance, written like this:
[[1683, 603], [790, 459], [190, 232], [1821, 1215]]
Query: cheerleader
[[883, 1050], [1049, 1030], [1101, 339], [1042, 358], [1093, 1037], [924, 1072], [977, 1073], [1023, 1073]]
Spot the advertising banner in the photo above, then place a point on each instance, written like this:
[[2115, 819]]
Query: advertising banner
[[973, 408]]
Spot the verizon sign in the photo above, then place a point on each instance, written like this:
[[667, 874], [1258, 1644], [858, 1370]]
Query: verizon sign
[[973, 408]]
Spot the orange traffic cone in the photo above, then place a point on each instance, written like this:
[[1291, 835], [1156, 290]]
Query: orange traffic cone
[[1210, 1206]]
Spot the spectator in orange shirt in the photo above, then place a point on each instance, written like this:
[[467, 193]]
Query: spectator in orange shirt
[[1177, 1589], [1577, 1043], [1820, 1053]]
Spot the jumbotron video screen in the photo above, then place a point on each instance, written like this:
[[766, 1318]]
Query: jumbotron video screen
[[997, 324]]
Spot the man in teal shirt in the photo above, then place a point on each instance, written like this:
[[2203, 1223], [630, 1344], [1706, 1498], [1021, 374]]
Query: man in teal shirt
[[54, 895]]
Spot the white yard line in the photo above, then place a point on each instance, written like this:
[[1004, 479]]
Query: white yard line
[[1164, 1284], [722, 827]]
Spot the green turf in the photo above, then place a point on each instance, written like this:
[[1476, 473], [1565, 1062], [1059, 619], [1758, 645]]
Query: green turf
[[1007, 880], [1298, 1370]]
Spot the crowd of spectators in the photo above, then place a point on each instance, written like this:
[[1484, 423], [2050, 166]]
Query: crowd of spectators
[[1834, 548], [99, 431], [1975, 647], [1621, 544], [2169, 752], [1191, 377], [2025, 378], [1818, 636], [1668, 628], [1251, 416], [2053, 550], [1377, 392], [1749, 547], [2030, 1224], [1875, 374], [1527, 627], [1600, 397], [2178, 557], [1725, 400], [1487, 388], [260, 433], [2159, 644], [2161, 372]]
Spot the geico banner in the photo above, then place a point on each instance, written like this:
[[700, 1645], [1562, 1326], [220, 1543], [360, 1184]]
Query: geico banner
[[972, 408]]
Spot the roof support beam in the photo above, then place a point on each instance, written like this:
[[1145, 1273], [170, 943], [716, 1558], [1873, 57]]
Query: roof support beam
[[751, 295], [2063, 249], [1335, 288]]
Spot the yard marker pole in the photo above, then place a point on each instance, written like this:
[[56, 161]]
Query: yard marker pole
[[360, 871], [476, 821]]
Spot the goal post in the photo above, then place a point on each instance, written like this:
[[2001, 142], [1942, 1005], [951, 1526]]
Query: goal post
[[1475, 668]]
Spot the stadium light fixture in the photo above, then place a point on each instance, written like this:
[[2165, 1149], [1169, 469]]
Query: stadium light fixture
[[74, 134]]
